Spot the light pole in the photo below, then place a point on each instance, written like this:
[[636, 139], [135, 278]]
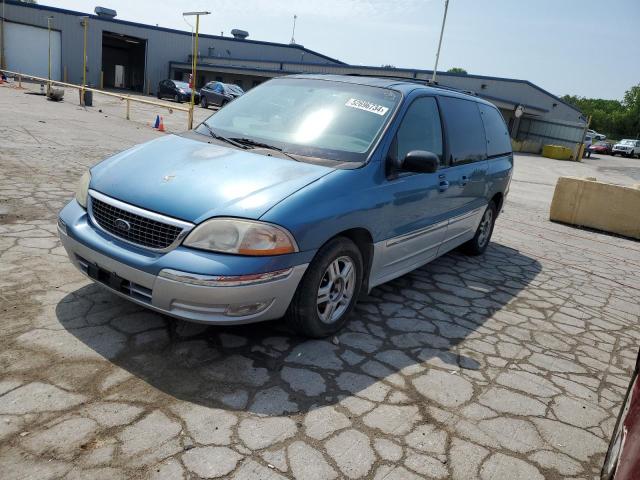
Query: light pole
[[2, 61], [293, 33], [444, 19], [194, 62], [49, 18], [85, 24]]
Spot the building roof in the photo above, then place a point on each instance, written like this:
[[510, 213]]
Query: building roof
[[294, 46]]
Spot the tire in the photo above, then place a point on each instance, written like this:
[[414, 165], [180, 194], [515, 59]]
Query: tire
[[158, 95], [203, 102], [480, 241], [176, 98], [340, 286]]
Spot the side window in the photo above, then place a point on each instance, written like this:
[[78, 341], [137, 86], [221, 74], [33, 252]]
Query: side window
[[498, 140], [420, 129], [465, 131]]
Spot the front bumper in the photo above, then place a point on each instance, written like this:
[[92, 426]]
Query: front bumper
[[186, 295]]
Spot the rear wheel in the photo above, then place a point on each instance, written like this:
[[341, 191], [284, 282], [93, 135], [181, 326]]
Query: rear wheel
[[328, 290], [203, 102], [479, 243], [176, 98]]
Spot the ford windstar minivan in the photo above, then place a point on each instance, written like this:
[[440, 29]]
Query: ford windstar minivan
[[293, 200]]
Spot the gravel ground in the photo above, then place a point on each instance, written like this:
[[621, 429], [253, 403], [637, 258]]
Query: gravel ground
[[510, 365]]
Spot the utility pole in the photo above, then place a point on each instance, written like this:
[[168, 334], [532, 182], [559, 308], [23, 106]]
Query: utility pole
[[85, 24], [444, 19], [2, 59], [194, 62], [293, 33], [49, 18]]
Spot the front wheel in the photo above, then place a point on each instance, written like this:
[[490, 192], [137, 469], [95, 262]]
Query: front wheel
[[328, 290], [203, 102], [176, 98], [480, 241]]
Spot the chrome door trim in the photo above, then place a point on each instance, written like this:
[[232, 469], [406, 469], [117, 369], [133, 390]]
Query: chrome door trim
[[418, 233]]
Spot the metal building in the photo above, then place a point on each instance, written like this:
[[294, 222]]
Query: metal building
[[123, 54]]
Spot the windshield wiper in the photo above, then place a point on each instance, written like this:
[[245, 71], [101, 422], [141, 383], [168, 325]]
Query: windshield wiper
[[224, 139], [256, 144]]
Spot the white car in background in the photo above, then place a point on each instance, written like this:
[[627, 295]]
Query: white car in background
[[627, 147]]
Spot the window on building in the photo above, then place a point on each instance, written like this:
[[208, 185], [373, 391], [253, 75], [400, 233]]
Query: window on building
[[420, 129], [465, 131], [498, 140]]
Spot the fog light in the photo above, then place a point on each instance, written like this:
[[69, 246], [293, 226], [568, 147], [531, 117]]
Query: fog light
[[244, 309]]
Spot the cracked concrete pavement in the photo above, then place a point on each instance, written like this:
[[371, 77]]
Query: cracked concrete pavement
[[509, 365]]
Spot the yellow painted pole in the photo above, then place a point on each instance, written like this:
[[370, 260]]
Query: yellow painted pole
[[128, 109], [194, 64], [85, 23], [49, 73]]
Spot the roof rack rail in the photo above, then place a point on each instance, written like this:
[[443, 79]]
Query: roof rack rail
[[421, 81]]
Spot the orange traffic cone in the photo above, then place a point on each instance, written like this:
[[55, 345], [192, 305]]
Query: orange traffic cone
[[161, 126]]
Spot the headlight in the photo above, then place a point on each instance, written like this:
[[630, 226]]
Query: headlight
[[82, 190], [243, 237]]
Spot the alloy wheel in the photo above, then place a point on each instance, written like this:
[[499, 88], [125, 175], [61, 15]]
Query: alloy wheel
[[336, 289], [485, 227]]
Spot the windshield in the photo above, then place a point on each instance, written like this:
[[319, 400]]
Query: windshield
[[628, 142], [181, 84], [315, 118]]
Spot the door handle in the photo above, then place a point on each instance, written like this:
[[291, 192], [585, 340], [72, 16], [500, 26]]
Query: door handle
[[464, 180]]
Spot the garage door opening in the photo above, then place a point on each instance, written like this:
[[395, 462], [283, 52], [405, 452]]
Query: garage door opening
[[123, 61]]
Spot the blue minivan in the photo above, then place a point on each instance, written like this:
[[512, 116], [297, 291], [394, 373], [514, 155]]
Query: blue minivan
[[293, 200]]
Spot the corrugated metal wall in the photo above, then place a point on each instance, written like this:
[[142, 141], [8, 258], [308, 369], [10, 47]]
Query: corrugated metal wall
[[162, 46]]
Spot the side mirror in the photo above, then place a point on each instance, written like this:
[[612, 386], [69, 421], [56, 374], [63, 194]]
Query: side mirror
[[420, 161]]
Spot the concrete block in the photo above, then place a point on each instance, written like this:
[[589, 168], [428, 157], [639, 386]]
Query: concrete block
[[603, 206], [559, 153]]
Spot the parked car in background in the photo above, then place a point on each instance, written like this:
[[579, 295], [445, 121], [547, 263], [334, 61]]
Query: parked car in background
[[622, 461], [603, 148], [596, 136], [177, 90], [219, 94], [293, 200], [627, 147]]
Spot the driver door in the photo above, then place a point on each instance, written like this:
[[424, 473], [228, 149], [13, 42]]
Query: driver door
[[417, 205]]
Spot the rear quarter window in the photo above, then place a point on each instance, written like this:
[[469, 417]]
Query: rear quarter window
[[465, 131], [498, 140]]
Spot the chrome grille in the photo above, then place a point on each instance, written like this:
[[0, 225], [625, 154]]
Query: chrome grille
[[142, 231]]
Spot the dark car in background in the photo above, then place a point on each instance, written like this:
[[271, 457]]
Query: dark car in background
[[177, 90], [603, 148], [219, 94]]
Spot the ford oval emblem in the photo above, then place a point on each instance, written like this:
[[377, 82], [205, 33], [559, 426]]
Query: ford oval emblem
[[122, 225]]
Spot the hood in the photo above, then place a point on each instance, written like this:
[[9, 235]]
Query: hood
[[193, 180]]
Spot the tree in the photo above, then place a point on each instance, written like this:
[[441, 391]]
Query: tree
[[459, 70], [613, 118]]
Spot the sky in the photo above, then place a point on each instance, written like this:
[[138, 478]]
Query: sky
[[582, 47]]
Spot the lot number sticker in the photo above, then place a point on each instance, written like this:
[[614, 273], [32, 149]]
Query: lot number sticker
[[366, 106]]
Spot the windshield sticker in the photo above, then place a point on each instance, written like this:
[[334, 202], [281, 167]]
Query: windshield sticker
[[366, 106]]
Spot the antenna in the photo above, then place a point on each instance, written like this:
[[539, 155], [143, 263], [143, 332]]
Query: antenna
[[293, 33]]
